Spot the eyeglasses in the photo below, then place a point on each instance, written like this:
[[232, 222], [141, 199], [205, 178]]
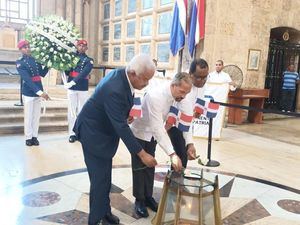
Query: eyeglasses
[[218, 64]]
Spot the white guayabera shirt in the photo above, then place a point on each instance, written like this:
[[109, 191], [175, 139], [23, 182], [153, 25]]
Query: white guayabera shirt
[[155, 107], [187, 106]]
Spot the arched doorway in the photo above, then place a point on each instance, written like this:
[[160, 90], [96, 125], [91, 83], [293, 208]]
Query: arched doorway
[[284, 49]]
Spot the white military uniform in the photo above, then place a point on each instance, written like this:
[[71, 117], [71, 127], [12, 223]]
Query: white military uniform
[[31, 73], [78, 91]]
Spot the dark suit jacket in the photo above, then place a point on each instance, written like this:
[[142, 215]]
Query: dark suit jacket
[[103, 119]]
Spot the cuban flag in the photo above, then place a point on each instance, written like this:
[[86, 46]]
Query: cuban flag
[[197, 24], [178, 30], [184, 122], [172, 115], [208, 109], [136, 110]]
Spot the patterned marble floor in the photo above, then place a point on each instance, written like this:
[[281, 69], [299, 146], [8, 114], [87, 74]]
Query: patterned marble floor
[[62, 198], [48, 185]]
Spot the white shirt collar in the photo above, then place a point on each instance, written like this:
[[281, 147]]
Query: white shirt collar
[[130, 85]]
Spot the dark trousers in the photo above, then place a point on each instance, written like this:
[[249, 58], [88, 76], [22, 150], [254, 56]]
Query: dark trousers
[[142, 176], [287, 99], [178, 143], [99, 171]]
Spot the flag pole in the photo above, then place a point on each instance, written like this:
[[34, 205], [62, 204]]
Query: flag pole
[[180, 53]]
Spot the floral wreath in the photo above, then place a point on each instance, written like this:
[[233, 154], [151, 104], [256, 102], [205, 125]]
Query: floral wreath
[[52, 41]]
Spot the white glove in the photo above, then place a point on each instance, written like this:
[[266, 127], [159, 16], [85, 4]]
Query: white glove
[[69, 84]]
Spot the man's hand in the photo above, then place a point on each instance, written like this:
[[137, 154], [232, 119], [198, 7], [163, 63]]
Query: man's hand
[[147, 159], [197, 115], [176, 162], [168, 126], [45, 96], [130, 119], [191, 152], [232, 86]]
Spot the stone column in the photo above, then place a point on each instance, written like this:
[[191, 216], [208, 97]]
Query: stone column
[[93, 33]]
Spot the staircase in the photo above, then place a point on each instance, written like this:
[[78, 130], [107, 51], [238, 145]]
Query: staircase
[[12, 118], [11, 91]]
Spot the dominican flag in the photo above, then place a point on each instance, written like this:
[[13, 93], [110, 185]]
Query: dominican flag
[[197, 24], [184, 122], [208, 109], [136, 110], [177, 36], [172, 115]]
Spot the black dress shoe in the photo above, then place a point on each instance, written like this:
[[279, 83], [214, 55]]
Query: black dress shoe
[[72, 138], [35, 141], [28, 142], [151, 203], [111, 219], [140, 209]]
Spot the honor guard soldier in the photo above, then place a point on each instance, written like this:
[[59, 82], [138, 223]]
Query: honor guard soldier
[[78, 84], [32, 91]]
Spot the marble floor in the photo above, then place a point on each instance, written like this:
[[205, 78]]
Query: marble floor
[[259, 178]]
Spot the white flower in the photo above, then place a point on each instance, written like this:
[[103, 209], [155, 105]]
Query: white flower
[[51, 49]]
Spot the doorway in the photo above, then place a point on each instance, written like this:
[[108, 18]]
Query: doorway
[[284, 49]]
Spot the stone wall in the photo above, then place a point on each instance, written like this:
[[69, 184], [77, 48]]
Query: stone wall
[[233, 27], [8, 38]]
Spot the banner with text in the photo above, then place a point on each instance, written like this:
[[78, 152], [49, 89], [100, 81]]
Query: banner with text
[[218, 92]]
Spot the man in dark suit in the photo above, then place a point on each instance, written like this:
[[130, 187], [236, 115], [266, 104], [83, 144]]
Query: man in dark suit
[[100, 125]]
